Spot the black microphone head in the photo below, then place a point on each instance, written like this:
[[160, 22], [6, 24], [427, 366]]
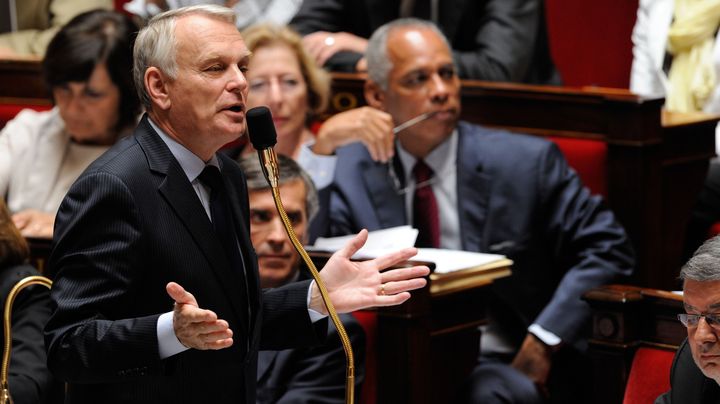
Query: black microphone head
[[261, 128]]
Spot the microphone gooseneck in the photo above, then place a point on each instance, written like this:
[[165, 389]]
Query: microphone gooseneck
[[263, 137]]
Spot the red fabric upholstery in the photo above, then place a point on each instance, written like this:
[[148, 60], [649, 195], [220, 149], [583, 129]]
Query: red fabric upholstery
[[8, 111], [368, 320], [649, 375], [588, 158], [585, 50]]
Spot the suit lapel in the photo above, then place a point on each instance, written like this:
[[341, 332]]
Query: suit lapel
[[236, 189], [473, 189], [387, 203], [179, 194]]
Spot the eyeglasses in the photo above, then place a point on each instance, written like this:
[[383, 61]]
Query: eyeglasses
[[692, 320]]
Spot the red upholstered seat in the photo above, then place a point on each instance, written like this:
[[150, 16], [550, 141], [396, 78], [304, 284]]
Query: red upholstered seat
[[368, 320], [649, 375], [8, 111], [588, 158]]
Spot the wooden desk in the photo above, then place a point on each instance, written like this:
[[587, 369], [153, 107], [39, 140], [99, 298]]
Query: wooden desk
[[654, 169], [21, 83], [428, 346], [625, 318]]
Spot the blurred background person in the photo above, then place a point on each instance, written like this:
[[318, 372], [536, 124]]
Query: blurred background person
[[283, 77], [676, 56], [496, 40], [248, 12], [88, 67], [37, 21], [29, 379], [303, 375]]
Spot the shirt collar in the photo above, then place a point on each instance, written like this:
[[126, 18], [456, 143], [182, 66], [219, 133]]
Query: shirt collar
[[191, 164], [440, 159]]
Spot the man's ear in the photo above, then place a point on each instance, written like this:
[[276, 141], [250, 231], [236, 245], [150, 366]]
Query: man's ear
[[156, 85], [374, 95]]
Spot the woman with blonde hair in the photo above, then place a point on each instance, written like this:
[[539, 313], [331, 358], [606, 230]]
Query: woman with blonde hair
[[286, 79]]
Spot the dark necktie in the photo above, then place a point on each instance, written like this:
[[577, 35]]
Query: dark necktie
[[222, 219], [425, 208]]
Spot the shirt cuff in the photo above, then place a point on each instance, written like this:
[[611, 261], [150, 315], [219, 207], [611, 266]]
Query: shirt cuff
[[315, 316], [320, 168], [168, 344], [544, 335]]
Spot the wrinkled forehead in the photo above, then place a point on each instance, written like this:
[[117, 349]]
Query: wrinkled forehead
[[702, 295], [197, 34]]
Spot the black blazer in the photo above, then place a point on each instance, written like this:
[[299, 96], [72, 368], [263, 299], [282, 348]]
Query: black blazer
[[496, 40], [130, 224], [687, 383], [312, 375]]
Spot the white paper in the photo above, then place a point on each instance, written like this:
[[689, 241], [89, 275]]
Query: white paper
[[391, 239], [381, 242]]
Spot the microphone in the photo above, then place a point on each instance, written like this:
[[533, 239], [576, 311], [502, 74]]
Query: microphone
[[261, 130], [263, 137]]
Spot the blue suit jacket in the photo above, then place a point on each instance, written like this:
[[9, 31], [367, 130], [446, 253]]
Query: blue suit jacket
[[517, 197], [130, 224]]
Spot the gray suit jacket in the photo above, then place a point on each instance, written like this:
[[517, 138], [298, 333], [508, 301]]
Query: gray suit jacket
[[518, 197], [497, 40]]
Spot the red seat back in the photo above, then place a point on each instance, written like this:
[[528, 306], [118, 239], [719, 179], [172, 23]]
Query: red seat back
[[368, 321], [588, 158], [8, 111], [649, 375]]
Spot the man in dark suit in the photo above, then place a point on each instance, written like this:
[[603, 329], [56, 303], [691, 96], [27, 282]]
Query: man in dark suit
[[496, 40], [695, 374], [162, 218], [300, 375], [477, 189]]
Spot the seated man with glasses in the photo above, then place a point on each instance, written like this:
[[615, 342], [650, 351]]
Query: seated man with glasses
[[695, 374], [304, 375]]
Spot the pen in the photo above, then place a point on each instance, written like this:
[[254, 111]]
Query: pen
[[413, 121]]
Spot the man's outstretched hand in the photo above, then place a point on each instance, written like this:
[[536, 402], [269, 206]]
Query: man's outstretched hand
[[358, 285], [195, 327]]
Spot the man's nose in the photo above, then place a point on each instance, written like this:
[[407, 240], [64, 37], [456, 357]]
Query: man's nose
[[704, 333], [276, 230], [439, 90], [237, 82]]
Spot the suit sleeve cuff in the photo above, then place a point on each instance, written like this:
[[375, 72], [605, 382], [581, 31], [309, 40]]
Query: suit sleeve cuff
[[547, 337], [315, 316], [320, 168], [168, 344]]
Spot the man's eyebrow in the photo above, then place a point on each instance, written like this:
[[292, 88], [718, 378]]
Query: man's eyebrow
[[714, 306]]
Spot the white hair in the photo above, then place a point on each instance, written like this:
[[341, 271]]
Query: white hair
[[156, 43]]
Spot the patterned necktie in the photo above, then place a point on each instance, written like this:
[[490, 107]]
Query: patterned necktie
[[425, 209]]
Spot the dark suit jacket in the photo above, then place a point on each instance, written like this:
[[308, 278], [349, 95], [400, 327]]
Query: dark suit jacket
[[497, 40], [29, 379], [687, 383], [517, 197], [130, 224], [312, 375]]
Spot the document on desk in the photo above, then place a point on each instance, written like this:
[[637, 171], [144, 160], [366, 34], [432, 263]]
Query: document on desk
[[387, 240]]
